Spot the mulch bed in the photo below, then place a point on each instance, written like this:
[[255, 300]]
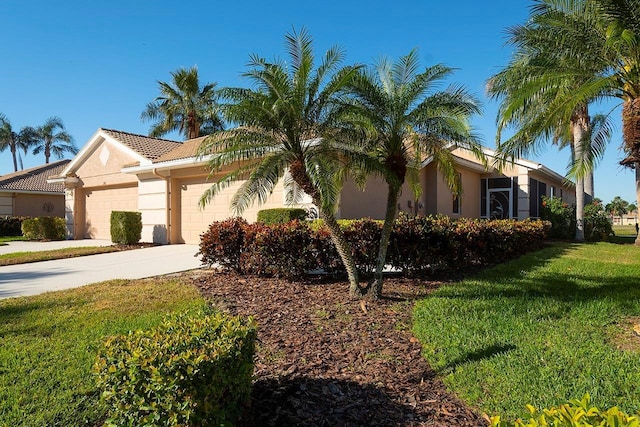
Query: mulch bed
[[326, 359]]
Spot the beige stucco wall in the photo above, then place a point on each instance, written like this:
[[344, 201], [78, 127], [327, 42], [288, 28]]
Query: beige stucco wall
[[104, 165], [372, 201], [35, 205]]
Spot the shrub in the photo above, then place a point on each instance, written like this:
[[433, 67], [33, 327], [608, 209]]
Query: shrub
[[597, 225], [194, 369], [11, 226], [561, 216], [576, 413], [224, 243], [281, 215], [44, 228], [126, 227]]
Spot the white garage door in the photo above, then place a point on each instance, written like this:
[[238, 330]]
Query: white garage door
[[98, 206]]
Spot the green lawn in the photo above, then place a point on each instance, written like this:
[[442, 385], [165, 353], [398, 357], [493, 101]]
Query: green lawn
[[26, 257], [48, 344], [540, 330]]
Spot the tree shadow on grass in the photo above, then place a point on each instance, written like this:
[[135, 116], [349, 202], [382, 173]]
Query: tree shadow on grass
[[481, 354], [304, 401]]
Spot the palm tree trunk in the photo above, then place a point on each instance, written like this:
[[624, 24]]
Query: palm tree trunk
[[579, 125], [344, 250], [15, 159], [637, 167], [589, 192], [390, 216]]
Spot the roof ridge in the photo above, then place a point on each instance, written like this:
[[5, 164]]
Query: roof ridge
[[142, 136]]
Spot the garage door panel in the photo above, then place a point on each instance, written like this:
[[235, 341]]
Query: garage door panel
[[98, 206]]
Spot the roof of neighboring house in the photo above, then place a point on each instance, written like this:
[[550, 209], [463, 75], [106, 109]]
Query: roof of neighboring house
[[186, 150], [151, 148], [34, 180]]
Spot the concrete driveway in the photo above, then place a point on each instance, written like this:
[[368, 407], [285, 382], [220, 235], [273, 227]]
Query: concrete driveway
[[45, 276]]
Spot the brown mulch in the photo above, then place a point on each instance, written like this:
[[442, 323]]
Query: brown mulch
[[326, 359]]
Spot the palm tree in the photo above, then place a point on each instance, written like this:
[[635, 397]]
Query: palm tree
[[184, 106], [536, 85], [410, 120], [15, 142], [52, 139], [609, 41], [287, 122]]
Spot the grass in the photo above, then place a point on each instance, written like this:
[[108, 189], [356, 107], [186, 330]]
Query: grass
[[5, 239], [624, 233], [540, 330], [48, 345], [26, 257]]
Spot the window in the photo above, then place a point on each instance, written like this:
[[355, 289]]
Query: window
[[498, 198], [537, 190]]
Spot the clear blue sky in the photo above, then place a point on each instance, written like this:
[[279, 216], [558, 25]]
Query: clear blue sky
[[96, 64]]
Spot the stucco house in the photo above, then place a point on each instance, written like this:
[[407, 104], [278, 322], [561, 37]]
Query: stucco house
[[164, 180], [27, 192]]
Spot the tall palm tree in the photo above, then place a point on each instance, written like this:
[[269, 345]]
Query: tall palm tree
[[536, 86], [410, 120], [15, 141], [184, 106], [52, 139], [287, 122]]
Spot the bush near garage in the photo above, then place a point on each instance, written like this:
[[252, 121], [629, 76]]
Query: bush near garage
[[419, 245], [11, 226], [44, 228], [126, 227], [281, 215], [194, 369]]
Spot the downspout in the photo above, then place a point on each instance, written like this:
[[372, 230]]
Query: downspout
[[154, 171]]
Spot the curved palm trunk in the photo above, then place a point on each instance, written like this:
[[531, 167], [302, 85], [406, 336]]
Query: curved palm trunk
[[390, 216], [344, 250], [579, 125], [631, 137], [300, 176], [15, 158]]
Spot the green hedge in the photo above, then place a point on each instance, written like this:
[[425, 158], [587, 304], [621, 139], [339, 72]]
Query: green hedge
[[419, 245], [44, 228], [281, 215], [576, 413], [193, 370], [11, 226], [126, 227]]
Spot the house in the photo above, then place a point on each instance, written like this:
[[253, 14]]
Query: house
[[27, 192], [164, 180]]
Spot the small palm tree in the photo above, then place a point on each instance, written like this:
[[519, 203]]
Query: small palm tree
[[52, 139], [184, 106], [287, 122], [410, 121]]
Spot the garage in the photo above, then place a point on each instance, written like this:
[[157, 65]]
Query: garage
[[193, 220], [99, 203]]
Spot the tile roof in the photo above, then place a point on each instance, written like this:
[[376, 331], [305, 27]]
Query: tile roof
[[186, 150], [148, 147], [34, 179]]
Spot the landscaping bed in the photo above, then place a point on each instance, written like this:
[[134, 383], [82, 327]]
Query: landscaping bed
[[324, 358]]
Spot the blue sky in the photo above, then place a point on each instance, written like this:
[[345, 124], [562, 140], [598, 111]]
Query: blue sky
[[96, 64]]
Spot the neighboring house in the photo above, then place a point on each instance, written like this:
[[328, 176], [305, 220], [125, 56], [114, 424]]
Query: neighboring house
[[27, 192], [630, 218], [164, 180]]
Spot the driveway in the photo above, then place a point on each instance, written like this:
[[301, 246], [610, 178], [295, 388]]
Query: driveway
[[45, 276]]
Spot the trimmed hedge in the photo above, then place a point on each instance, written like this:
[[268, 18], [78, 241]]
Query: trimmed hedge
[[11, 226], [281, 215], [194, 369], [44, 228], [573, 414], [419, 245], [126, 227]]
